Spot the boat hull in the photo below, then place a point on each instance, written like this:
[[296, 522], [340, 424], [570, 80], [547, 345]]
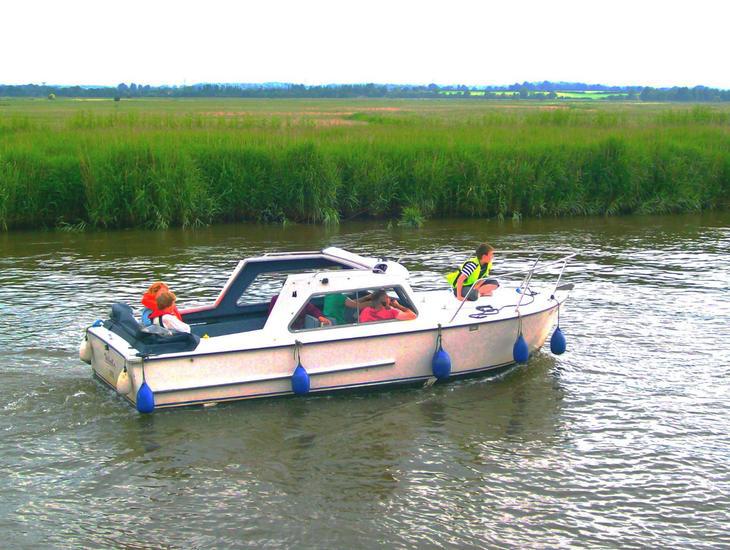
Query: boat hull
[[362, 362]]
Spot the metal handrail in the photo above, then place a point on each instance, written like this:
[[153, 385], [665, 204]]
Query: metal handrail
[[532, 253], [526, 281], [561, 260], [555, 288]]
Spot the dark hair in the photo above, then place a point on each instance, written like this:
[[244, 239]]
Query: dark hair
[[483, 249], [377, 298]]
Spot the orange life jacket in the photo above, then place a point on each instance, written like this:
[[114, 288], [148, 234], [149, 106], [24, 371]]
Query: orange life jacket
[[150, 302], [172, 310]]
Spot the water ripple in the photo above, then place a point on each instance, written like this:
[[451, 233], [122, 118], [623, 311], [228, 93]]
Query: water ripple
[[622, 441]]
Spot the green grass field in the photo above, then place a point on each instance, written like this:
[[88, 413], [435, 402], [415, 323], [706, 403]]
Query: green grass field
[[590, 95], [473, 93], [586, 95], [157, 163]]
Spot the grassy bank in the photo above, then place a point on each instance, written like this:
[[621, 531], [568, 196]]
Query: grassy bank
[[159, 163]]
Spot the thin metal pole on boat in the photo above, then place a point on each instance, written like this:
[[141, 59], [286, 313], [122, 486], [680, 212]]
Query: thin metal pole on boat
[[565, 263], [528, 274], [528, 278], [463, 301]]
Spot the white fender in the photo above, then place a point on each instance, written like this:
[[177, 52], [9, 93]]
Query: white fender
[[85, 351], [124, 383]]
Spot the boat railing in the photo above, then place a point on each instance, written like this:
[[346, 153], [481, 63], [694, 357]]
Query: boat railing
[[563, 260], [528, 272]]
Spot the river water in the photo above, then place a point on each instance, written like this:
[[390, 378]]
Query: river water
[[622, 441]]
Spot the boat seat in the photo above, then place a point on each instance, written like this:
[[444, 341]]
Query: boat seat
[[122, 323], [311, 322]]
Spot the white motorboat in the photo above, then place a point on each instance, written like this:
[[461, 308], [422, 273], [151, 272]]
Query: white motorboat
[[238, 349]]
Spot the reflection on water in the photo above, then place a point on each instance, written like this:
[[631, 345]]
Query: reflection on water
[[621, 441]]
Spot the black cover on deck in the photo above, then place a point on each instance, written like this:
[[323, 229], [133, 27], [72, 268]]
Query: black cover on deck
[[123, 323]]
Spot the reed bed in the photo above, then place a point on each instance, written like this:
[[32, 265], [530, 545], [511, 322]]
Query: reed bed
[[185, 163]]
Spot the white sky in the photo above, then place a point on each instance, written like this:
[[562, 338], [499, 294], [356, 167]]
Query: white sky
[[642, 42]]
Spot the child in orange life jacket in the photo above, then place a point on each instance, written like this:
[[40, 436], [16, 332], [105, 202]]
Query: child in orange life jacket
[[165, 314], [149, 301]]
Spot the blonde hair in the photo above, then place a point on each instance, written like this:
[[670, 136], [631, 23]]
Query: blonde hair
[[165, 299], [157, 287]]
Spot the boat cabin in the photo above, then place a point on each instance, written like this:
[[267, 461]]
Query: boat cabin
[[277, 293], [280, 292]]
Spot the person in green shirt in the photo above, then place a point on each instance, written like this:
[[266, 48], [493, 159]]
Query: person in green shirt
[[335, 304]]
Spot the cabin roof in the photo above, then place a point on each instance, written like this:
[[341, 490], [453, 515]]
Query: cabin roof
[[326, 281]]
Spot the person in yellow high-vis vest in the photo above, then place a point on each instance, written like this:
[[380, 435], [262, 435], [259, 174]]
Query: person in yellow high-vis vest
[[469, 281]]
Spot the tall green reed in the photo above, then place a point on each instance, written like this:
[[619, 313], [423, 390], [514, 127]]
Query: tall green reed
[[165, 169]]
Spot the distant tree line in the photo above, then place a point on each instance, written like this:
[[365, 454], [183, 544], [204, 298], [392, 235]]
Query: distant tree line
[[547, 86], [698, 93], [526, 90]]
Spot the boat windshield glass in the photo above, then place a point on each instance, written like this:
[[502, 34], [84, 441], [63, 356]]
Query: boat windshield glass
[[337, 309], [267, 285], [264, 287]]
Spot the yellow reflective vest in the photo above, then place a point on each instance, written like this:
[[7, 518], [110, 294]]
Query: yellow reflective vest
[[477, 274]]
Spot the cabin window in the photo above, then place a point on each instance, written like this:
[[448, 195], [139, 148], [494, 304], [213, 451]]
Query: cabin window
[[337, 309]]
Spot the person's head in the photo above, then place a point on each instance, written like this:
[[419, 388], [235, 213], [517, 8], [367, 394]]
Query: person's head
[[379, 299], [165, 299], [157, 287], [485, 253]]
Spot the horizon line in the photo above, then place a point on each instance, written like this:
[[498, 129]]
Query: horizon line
[[363, 83]]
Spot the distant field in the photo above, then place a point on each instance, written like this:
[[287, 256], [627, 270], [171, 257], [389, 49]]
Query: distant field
[[474, 93], [586, 95], [159, 162], [590, 95]]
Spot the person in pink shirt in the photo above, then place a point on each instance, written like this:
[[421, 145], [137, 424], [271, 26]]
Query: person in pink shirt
[[383, 308]]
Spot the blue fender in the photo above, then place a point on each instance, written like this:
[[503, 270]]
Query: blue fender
[[441, 364], [520, 351], [557, 342], [145, 399], [300, 380]]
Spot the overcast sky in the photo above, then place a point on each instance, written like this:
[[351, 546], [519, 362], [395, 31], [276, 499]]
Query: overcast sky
[[640, 42]]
